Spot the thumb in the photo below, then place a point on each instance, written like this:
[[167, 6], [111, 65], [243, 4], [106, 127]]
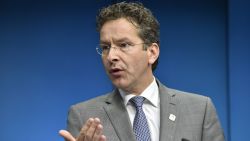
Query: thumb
[[66, 135]]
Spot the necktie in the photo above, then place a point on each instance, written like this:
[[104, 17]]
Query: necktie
[[140, 125]]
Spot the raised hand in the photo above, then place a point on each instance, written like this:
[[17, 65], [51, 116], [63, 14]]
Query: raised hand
[[92, 130]]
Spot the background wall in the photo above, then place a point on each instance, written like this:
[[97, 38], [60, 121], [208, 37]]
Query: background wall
[[48, 60], [239, 68]]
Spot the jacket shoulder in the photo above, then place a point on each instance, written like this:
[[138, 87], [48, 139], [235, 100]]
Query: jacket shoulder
[[92, 103], [187, 97]]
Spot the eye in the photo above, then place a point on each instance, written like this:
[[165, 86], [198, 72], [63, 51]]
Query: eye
[[104, 47], [124, 45]]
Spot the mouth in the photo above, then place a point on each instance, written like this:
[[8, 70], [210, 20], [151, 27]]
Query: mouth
[[116, 72]]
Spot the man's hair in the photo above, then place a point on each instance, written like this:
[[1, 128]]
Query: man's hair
[[141, 17]]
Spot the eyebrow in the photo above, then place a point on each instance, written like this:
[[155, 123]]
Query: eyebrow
[[124, 39]]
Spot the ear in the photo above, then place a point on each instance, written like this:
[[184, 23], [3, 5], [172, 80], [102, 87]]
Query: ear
[[153, 53]]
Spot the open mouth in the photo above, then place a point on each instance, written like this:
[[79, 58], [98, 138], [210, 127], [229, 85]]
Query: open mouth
[[116, 72]]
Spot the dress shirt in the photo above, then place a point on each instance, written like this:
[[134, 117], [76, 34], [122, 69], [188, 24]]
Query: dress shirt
[[151, 108]]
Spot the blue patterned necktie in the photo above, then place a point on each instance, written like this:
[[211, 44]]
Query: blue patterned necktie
[[140, 125]]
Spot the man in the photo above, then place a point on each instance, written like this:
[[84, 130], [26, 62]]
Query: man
[[140, 108]]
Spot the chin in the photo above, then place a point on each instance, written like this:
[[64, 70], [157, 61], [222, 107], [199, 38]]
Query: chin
[[119, 84]]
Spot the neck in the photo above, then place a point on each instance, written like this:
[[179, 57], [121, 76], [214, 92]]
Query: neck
[[142, 85]]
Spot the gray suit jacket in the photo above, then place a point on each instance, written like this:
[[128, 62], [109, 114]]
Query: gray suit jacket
[[196, 118]]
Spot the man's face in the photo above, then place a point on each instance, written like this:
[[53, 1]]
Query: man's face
[[128, 70]]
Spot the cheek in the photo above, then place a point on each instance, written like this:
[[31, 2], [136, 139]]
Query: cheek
[[105, 63], [139, 62]]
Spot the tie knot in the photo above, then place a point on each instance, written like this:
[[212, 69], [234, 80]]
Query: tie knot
[[137, 101]]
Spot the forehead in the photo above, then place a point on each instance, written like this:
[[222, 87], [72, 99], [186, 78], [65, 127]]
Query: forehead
[[119, 28]]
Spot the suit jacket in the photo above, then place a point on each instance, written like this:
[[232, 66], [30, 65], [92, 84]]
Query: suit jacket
[[195, 117]]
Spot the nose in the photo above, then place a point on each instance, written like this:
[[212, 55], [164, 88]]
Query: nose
[[112, 55]]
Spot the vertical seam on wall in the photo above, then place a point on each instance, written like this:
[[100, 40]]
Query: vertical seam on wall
[[228, 96]]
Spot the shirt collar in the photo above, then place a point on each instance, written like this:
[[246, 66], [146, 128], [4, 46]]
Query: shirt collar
[[151, 93]]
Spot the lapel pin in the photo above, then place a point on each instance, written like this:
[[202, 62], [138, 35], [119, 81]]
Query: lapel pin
[[172, 117]]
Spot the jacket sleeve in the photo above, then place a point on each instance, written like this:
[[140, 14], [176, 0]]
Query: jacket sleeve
[[74, 122], [212, 130]]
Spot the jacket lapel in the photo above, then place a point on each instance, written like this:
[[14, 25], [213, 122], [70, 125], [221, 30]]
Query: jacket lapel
[[118, 116], [168, 113]]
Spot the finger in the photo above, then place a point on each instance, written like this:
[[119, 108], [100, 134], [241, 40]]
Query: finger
[[87, 125], [103, 138], [98, 132], [66, 135], [91, 131], [84, 129]]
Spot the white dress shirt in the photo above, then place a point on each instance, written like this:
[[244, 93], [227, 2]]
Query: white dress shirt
[[151, 108]]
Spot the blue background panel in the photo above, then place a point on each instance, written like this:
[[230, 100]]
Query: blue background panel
[[48, 60]]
